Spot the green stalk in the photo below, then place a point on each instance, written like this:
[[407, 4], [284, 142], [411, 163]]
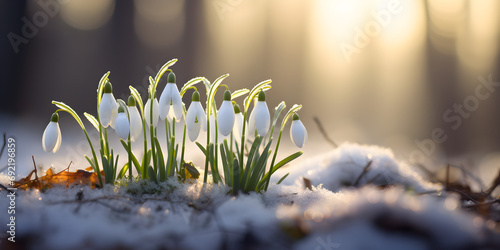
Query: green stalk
[[243, 138], [129, 159], [274, 159], [106, 141], [95, 157], [205, 175], [183, 143]]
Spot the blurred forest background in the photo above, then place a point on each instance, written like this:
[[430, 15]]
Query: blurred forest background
[[382, 72]]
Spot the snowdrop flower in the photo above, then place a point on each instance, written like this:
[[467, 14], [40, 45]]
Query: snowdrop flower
[[195, 117], [122, 125], [51, 139], [225, 116], [260, 119], [135, 119], [298, 132], [238, 123], [170, 97], [108, 109], [147, 112], [220, 137]]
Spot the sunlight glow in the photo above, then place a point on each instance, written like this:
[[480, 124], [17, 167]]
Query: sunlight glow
[[87, 14]]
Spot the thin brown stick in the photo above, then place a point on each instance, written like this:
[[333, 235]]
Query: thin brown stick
[[34, 165], [323, 132], [365, 170]]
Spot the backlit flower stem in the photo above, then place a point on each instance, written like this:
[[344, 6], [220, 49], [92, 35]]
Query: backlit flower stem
[[129, 159], [68, 109], [95, 157]]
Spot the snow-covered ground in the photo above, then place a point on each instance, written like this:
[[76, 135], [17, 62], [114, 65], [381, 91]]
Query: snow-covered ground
[[334, 214]]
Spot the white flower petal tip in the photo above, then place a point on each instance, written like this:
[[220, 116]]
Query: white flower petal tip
[[195, 120], [225, 118], [170, 97], [108, 109], [298, 133], [51, 139], [260, 119], [238, 127], [122, 126], [156, 112], [135, 123]]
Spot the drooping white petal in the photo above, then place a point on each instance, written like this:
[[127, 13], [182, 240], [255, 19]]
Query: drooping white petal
[[135, 123], [238, 127], [170, 98], [147, 112], [176, 102], [164, 103], [195, 119], [107, 109], [202, 117], [298, 133], [260, 119], [225, 118], [113, 116], [194, 131], [122, 126], [51, 139]]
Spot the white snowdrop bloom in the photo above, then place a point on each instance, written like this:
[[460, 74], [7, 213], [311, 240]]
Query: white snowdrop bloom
[[225, 116], [147, 112], [298, 132], [238, 124], [108, 108], [135, 119], [51, 139], [260, 119], [220, 137], [170, 97], [195, 117], [122, 125]]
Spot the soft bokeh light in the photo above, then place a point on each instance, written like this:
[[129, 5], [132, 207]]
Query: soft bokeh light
[[87, 14]]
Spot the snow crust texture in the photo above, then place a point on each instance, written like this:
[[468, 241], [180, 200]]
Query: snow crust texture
[[333, 214]]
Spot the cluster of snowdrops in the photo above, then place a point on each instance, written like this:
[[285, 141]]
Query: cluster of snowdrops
[[237, 149]]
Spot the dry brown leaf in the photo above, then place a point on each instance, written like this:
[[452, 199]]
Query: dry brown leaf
[[63, 178]]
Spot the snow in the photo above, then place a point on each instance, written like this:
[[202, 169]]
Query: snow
[[193, 215], [343, 166]]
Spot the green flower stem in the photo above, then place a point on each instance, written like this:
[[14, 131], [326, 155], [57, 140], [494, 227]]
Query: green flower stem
[[64, 107], [243, 139], [205, 175], [172, 145], [106, 142], [153, 150], [183, 139], [129, 159], [274, 159], [95, 157], [151, 131], [144, 167]]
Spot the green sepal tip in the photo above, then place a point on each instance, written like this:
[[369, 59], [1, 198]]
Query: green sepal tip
[[196, 96], [227, 95], [131, 101], [121, 109], [236, 108], [108, 88], [262, 96], [171, 78], [54, 118], [295, 117]]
